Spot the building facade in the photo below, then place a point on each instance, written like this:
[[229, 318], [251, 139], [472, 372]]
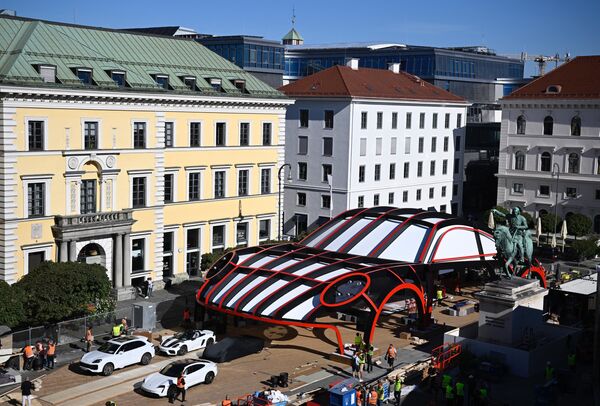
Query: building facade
[[550, 145], [386, 138], [140, 160]]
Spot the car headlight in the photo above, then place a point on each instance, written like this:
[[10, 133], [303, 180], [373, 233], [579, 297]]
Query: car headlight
[[97, 361]]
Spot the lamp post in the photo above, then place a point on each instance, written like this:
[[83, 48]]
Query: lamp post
[[279, 197], [555, 171]]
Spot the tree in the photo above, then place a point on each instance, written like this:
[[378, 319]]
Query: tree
[[579, 224], [529, 218], [585, 249], [548, 223], [56, 291], [12, 313], [210, 258], [497, 219]]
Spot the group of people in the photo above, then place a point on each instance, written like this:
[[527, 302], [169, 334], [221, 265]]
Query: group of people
[[120, 328], [40, 356], [459, 391], [362, 360], [375, 395]]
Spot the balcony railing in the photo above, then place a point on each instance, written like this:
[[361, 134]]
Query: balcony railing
[[94, 218]]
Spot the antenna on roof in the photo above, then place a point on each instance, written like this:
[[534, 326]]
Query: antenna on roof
[[293, 16]]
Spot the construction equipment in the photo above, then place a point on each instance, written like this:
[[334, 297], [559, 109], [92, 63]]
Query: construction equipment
[[442, 356], [542, 60]]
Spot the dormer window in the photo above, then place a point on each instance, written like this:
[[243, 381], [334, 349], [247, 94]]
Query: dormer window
[[84, 75], [162, 81], [189, 82], [215, 83], [118, 77], [48, 73], [240, 84], [553, 89]]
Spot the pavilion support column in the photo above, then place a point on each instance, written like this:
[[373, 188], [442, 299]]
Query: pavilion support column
[[72, 251], [118, 255], [64, 251], [126, 260]]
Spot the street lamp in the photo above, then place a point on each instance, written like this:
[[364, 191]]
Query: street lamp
[[289, 178], [555, 171]]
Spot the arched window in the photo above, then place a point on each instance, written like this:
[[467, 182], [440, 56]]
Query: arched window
[[521, 124], [573, 163], [576, 125], [542, 212], [546, 162], [519, 160], [548, 125], [597, 224]]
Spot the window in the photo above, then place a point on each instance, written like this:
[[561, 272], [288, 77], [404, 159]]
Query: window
[[302, 145], [90, 135], [378, 145], [265, 181], [444, 167], [119, 78], [520, 160], [169, 188], [266, 134], [548, 125], [243, 176], [379, 120], [48, 73], [240, 84], [327, 146], [325, 201], [87, 196], [406, 169], [597, 194], [139, 135], [521, 125], [190, 82], [363, 146], [326, 171], [576, 125], [408, 120], [431, 192], [36, 196], [419, 169], [405, 196], [434, 120], [544, 190], [443, 208], [517, 188], [418, 194], [376, 199], [422, 120], [432, 168], [361, 173], [85, 76], [169, 134], [433, 144], [220, 134], [192, 246], [194, 186], [377, 175], [244, 133], [407, 145], [264, 230], [392, 171], [447, 120], [241, 234], [302, 171], [303, 118], [34, 259], [457, 141], [394, 120], [215, 83], [454, 190], [393, 145], [546, 162], [361, 201], [456, 165], [195, 134], [301, 199], [598, 165], [443, 191], [573, 163], [138, 192], [138, 262], [363, 120], [162, 81], [421, 145], [446, 142], [301, 223], [458, 120], [328, 119], [391, 198], [219, 184], [218, 238], [36, 135]]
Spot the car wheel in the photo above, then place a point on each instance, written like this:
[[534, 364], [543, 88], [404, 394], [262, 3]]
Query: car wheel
[[146, 359], [183, 350], [209, 378], [108, 369], [210, 342]]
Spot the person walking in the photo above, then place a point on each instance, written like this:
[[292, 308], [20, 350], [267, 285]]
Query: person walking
[[380, 394], [355, 365], [149, 287], [187, 318], [181, 387], [50, 354], [398, 390], [391, 356], [29, 356], [361, 365], [373, 397], [89, 339], [370, 351], [26, 387]]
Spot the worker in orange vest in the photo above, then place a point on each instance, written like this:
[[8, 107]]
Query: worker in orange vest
[[359, 396], [181, 387], [187, 318], [226, 402], [373, 396], [50, 354], [29, 356], [391, 356]]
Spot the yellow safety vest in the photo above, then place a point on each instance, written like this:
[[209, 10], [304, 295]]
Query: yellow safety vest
[[117, 330]]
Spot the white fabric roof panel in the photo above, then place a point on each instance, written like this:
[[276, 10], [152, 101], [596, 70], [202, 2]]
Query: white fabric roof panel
[[309, 268], [324, 232], [488, 244], [226, 288], [405, 246], [343, 238], [245, 290], [300, 311], [263, 294], [457, 243], [284, 299], [373, 238]]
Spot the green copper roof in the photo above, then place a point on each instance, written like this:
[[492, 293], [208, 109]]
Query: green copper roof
[[293, 35], [25, 44]]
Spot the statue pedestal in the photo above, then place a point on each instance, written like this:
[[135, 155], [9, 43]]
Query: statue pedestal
[[497, 302]]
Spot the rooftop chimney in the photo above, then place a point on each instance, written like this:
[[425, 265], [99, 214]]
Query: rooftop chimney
[[394, 67], [352, 63]]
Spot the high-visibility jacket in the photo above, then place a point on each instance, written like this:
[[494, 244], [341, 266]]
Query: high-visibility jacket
[[449, 392], [116, 331], [370, 352], [391, 352], [226, 402], [381, 393], [483, 393], [361, 359], [28, 351], [440, 294], [357, 341], [571, 360], [51, 349], [359, 397], [549, 373], [446, 380], [373, 397], [398, 386], [460, 389], [180, 382]]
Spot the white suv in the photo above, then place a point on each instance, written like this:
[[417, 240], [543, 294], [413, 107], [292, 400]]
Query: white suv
[[118, 353]]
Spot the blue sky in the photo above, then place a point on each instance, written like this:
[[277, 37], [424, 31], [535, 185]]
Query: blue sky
[[508, 26]]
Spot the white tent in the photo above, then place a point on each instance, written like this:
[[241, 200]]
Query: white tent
[[491, 223], [563, 233]]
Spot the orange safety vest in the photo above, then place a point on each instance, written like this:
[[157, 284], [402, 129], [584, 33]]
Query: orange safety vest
[[186, 314], [373, 397], [180, 382], [226, 402], [359, 397], [391, 352], [28, 351], [51, 349]]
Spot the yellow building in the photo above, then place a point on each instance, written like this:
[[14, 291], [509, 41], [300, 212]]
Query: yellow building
[[137, 152]]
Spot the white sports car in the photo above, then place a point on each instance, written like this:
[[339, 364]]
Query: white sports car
[[194, 372], [190, 340], [118, 353]]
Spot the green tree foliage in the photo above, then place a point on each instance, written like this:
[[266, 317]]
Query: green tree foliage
[[497, 219], [579, 225], [585, 249], [548, 223], [210, 258], [529, 218], [56, 291], [12, 313]]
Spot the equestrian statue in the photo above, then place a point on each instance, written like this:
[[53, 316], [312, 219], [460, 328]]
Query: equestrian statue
[[513, 242]]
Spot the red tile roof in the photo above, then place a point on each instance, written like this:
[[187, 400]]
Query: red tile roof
[[576, 79], [343, 81]]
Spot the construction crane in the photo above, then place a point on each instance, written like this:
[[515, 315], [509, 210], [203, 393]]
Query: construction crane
[[541, 60]]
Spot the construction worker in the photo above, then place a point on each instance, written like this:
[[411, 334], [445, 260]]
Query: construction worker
[[181, 387], [446, 381], [398, 390], [359, 396], [571, 361], [449, 395], [549, 372], [373, 396], [187, 318], [117, 329], [357, 341], [380, 394], [439, 294], [226, 402], [391, 356], [460, 392], [483, 394], [370, 358], [29, 356], [361, 365], [50, 354]]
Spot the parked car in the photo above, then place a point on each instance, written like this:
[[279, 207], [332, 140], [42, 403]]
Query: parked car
[[118, 353], [190, 340], [231, 348], [194, 371]]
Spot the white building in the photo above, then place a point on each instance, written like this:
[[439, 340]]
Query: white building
[[551, 127], [386, 137]]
